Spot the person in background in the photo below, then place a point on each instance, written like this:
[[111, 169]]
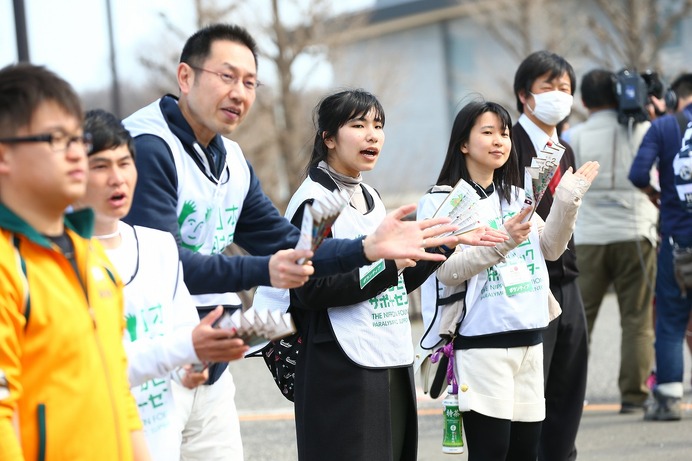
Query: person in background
[[196, 184], [543, 86], [64, 392], [659, 147], [616, 234], [164, 334], [498, 351]]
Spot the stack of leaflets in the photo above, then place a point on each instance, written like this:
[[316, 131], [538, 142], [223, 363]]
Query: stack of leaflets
[[460, 206], [255, 327], [542, 169], [318, 218]]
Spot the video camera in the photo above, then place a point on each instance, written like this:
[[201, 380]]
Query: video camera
[[633, 92], [654, 84]]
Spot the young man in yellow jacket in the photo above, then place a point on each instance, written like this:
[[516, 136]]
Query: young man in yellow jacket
[[64, 392]]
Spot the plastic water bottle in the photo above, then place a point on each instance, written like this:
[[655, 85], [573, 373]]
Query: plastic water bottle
[[452, 440]]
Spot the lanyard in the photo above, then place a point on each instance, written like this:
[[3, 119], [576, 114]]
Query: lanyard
[[483, 194]]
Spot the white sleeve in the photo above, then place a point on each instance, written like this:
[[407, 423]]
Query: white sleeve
[[150, 358], [467, 261], [559, 225]]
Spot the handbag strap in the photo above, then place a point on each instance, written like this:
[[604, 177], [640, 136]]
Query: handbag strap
[[448, 351]]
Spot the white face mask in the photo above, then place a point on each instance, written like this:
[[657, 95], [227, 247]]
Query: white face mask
[[551, 107]]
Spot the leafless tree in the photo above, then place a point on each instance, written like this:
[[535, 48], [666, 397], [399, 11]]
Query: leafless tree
[[162, 62], [633, 32], [524, 26], [625, 32], [611, 33], [283, 111], [521, 27], [608, 33], [277, 133]]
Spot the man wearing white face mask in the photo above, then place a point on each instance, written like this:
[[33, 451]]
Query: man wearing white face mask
[[543, 86]]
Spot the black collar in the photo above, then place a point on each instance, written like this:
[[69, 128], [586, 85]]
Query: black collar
[[482, 193]]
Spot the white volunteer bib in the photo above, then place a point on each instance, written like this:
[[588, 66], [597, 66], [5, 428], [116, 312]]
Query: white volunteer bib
[[519, 301], [374, 333], [208, 210], [145, 295]]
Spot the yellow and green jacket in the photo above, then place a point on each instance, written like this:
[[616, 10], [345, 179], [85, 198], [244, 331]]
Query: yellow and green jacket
[[64, 392]]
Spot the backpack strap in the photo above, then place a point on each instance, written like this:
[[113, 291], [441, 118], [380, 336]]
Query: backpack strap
[[439, 302], [21, 265], [451, 298], [682, 122]]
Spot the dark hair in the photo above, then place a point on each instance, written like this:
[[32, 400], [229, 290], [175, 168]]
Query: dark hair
[[537, 64], [198, 46], [24, 87], [598, 89], [107, 132], [334, 111], [682, 86], [454, 166]]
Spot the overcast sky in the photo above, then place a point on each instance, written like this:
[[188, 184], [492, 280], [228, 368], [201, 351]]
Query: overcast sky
[[70, 37]]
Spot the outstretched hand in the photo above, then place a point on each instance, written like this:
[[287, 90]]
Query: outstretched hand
[[587, 171], [216, 344], [482, 236], [399, 239]]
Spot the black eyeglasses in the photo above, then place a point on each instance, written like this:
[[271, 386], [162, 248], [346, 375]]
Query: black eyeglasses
[[59, 141], [231, 79]]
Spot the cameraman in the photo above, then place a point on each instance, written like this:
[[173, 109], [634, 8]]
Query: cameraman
[[615, 234], [659, 147], [656, 103]]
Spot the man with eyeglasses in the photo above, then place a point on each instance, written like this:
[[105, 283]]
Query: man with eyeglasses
[[193, 177], [64, 392]]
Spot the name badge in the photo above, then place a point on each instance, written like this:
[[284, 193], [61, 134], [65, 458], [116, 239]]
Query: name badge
[[367, 273], [515, 276]]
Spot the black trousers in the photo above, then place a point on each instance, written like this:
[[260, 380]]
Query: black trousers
[[493, 439], [565, 350]]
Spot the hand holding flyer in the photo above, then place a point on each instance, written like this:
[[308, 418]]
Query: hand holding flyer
[[256, 327], [318, 219], [460, 206], [541, 172]]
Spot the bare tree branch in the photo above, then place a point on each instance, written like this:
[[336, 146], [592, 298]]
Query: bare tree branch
[[637, 30]]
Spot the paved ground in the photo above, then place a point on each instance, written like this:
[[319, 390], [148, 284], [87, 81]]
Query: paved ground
[[268, 427]]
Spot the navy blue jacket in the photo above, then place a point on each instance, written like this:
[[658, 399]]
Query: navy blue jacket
[[660, 144], [261, 230]]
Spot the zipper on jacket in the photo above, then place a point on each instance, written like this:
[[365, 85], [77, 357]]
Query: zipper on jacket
[[109, 384], [104, 363], [99, 346]]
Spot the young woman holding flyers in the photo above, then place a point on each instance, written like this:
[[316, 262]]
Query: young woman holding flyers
[[355, 365], [498, 355]]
